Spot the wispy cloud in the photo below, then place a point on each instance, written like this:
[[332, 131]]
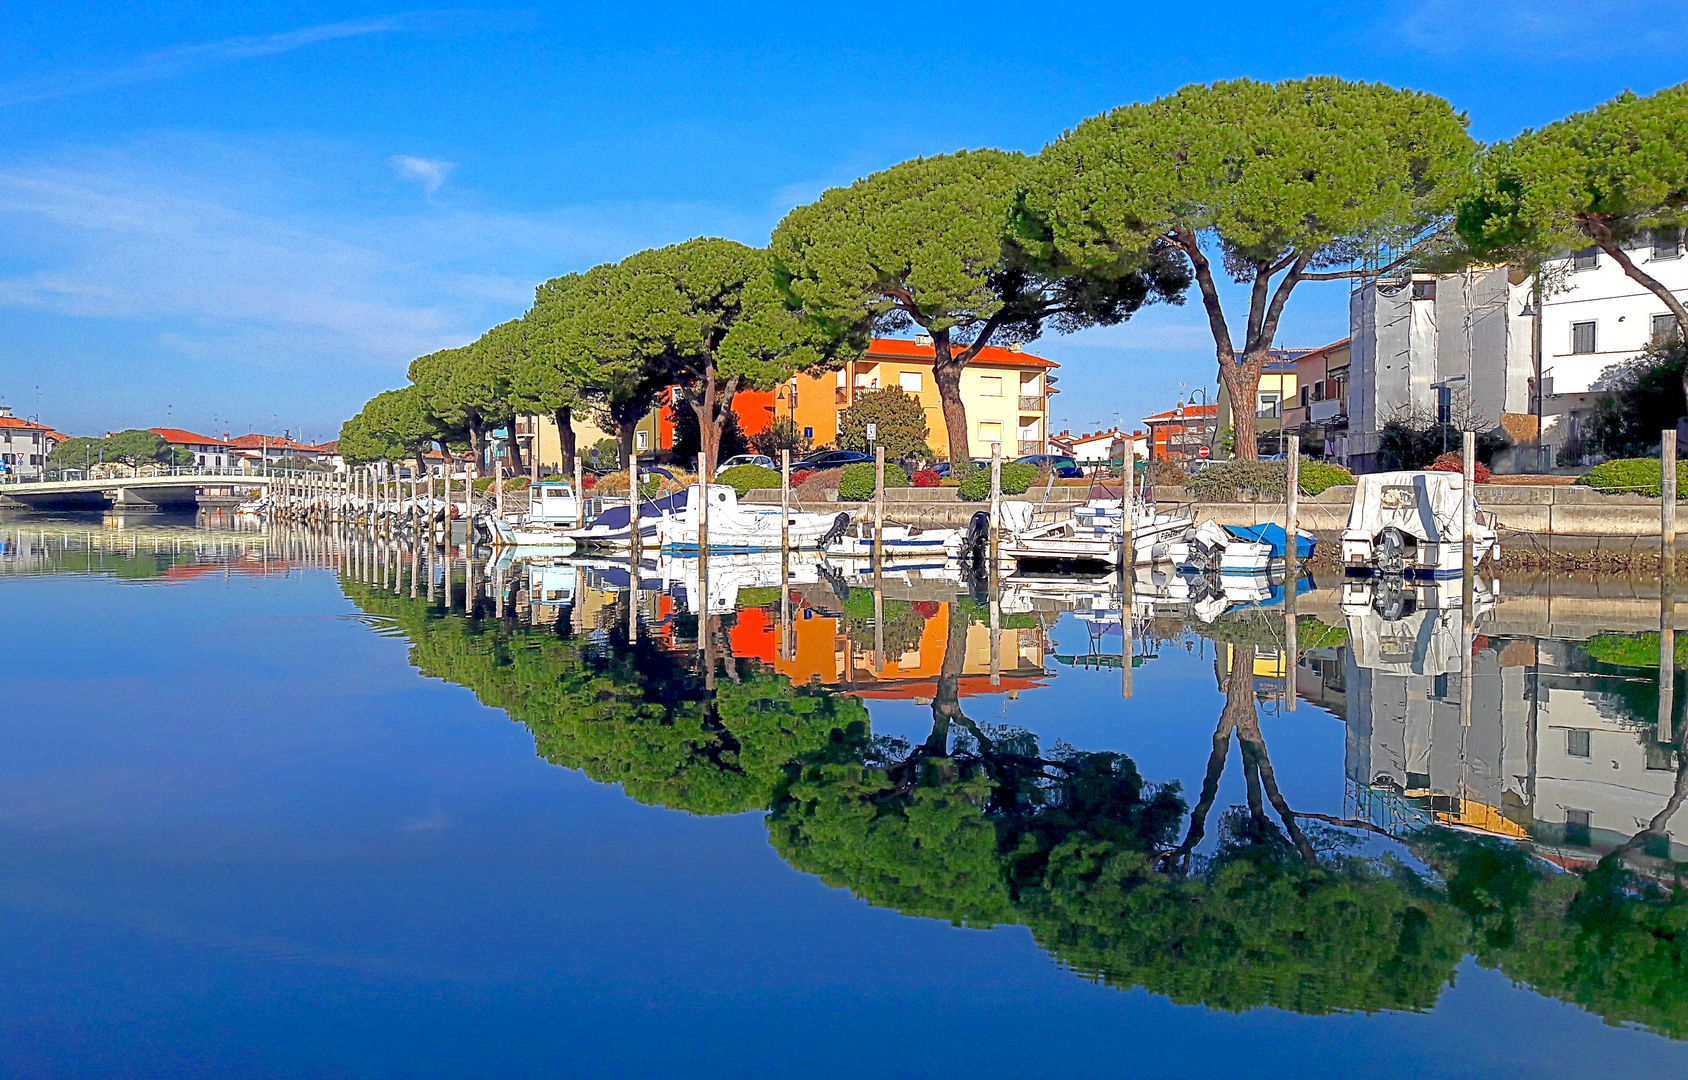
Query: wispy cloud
[[431, 173], [1546, 29], [181, 59]]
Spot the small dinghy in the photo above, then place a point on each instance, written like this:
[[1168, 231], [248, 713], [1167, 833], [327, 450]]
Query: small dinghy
[[1241, 549]]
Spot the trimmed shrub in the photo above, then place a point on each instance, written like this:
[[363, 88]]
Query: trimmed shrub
[[1641, 476], [1454, 462], [1316, 476], [1230, 480], [925, 478], [744, 478], [856, 483], [1016, 479]]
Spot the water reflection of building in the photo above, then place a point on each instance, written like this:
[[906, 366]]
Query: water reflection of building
[[1549, 748]]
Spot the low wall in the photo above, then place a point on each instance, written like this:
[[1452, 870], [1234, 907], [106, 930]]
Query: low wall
[[1540, 510]]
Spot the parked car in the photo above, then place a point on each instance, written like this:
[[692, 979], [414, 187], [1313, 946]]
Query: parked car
[[750, 459], [942, 468], [1062, 465], [833, 459]]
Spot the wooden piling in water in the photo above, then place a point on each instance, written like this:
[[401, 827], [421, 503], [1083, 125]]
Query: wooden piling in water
[[1666, 731], [1292, 566], [996, 501], [1127, 566], [878, 508]]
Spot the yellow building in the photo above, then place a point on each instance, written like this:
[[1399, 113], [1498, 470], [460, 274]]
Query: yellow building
[[1005, 391]]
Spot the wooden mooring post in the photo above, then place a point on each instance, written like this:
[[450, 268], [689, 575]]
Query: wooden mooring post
[[1292, 566], [1667, 587]]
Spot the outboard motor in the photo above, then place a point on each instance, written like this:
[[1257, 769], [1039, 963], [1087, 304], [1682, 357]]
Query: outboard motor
[[834, 532], [1392, 552], [975, 542]]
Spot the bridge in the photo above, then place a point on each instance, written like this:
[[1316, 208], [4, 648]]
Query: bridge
[[176, 491]]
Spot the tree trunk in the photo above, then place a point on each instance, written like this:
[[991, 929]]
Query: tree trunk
[[517, 465], [946, 374], [711, 413], [475, 448], [1242, 386], [624, 439], [565, 438]]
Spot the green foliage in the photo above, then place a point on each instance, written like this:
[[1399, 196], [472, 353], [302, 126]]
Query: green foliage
[[1225, 481], [744, 478], [1315, 476], [394, 425], [900, 420], [130, 447], [857, 482], [605, 454], [1640, 399], [1640, 476], [927, 242], [1632, 650], [978, 613], [781, 434], [1016, 480], [1610, 174], [1411, 443], [1283, 179]]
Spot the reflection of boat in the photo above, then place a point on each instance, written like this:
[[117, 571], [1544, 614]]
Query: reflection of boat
[[1412, 524], [552, 584], [733, 527], [900, 541]]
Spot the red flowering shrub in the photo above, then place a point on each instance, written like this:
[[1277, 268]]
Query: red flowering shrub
[[925, 478], [1453, 462]]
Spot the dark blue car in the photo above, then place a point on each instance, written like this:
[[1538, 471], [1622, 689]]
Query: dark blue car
[[1063, 466], [832, 459]]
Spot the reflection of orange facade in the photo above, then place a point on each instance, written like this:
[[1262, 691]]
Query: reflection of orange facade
[[822, 653]]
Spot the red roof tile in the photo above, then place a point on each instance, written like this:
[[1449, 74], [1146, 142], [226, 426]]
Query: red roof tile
[[904, 349], [178, 437]]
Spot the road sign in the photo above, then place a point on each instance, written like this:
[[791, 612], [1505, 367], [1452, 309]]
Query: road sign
[[872, 432], [1202, 451]]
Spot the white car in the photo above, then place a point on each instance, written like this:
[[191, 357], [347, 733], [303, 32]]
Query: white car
[[749, 459]]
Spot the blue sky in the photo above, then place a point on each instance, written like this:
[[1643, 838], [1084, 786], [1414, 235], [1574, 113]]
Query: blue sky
[[253, 216]]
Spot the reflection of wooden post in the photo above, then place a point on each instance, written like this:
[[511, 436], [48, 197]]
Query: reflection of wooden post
[[785, 502], [1468, 520], [702, 518], [878, 625], [996, 626], [1292, 566], [633, 543], [878, 507], [1127, 566], [1667, 586]]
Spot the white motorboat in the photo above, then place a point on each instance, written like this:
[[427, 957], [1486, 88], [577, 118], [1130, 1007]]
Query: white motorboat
[[1412, 524], [552, 514], [735, 528], [1091, 534], [610, 529]]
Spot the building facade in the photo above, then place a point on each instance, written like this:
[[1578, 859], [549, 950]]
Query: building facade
[[23, 447], [1180, 434], [1319, 410], [208, 453]]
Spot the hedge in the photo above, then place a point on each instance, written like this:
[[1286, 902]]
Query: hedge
[[1640, 476], [856, 484], [1229, 479], [745, 478], [1016, 479]]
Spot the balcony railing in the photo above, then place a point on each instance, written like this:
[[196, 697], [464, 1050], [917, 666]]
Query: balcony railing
[[1031, 446], [1031, 402]]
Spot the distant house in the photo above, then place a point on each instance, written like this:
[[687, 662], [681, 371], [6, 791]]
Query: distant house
[[260, 449], [208, 452], [1097, 445], [1180, 433], [23, 447], [1319, 411]]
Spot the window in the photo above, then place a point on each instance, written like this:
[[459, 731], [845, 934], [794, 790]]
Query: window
[[990, 386], [1661, 757], [1424, 290], [1268, 405], [909, 381], [1667, 244], [1586, 259], [1576, 743], [641, 440], [990, 431], [1665, 329], [1582, 337]]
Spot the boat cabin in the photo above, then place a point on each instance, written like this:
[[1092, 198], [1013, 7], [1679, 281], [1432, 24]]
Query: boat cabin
[[553, 502]]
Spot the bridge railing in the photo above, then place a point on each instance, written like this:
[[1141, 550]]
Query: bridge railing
[[131, 474]]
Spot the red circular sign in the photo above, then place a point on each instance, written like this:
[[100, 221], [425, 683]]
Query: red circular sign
[[1202, 452]]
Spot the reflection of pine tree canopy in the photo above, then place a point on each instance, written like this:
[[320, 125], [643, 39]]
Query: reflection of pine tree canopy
[[979, 827], [633, 716]]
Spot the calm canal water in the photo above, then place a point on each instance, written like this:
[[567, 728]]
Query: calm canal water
[[269, 808]]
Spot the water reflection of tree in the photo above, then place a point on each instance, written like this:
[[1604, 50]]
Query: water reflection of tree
[[982, 826]]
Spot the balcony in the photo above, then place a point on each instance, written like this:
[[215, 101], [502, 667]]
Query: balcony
[[1320, 411], [1031, 446], [1031, 402]]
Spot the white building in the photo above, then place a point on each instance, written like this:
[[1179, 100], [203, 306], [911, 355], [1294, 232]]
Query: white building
[[208, 453], [23, 447]]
